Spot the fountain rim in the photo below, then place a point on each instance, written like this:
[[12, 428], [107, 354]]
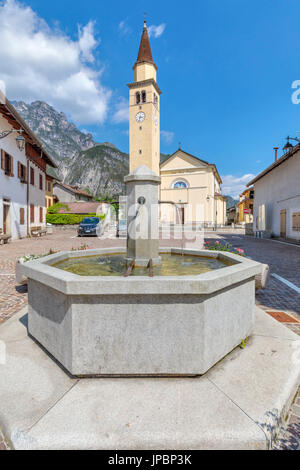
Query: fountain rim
[[206, 283]]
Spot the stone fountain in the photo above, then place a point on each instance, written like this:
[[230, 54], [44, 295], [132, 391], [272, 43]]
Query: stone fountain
[[123, 324]]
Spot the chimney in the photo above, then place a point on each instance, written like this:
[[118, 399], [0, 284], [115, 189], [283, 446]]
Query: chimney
[[276, 151]]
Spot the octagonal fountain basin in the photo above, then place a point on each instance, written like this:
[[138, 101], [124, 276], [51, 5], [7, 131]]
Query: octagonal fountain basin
[[197, 307]]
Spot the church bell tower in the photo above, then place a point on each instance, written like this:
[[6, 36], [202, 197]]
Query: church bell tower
[[144, 110]]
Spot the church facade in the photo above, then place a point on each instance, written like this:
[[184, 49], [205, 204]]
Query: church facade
[[190, 190]]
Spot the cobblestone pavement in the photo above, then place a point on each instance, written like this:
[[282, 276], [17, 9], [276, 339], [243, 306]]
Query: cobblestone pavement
[[283, 260]]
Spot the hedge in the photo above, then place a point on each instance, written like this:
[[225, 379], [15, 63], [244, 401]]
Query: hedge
[[68, 219]]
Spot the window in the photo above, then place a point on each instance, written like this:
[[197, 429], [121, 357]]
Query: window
[[22, 216], [137, 97], [22, 172], [41, 182], [31, 213], [155, 99], [32, 176], [49, 187], [144, 99], [296, 222], [180, 185], [41, 215], [7, 164]]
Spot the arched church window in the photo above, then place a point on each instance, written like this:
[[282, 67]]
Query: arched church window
[[143, 96], [137, 97], [155, 98], [180, 185]]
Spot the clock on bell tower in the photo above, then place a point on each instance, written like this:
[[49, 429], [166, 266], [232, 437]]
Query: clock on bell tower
[[144, 110]]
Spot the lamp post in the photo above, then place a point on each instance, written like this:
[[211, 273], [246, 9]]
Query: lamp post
[[216, 214], [19, 139]]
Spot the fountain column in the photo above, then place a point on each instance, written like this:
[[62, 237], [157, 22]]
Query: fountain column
[[142, 216]]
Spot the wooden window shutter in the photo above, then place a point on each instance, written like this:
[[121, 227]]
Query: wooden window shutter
[[11, 166], [22, 216], [2, 159], [19, 170], [31, 213], [41, 182], [32, 176], [41, 215], [25, 174]]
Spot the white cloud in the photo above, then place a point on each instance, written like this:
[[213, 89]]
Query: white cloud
[[122, 111], [234, 185], [40, 63], [156, 31], [124, 28], [87, 41], [167, 136]]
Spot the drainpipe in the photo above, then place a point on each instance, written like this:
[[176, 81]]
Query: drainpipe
[[276, 151]]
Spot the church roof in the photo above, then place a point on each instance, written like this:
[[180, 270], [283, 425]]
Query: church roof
[[212, 165], [145, 54]]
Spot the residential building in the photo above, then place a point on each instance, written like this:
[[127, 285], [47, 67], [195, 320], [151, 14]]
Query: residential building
[[245, 207], [191, 183], [232, 215], [22, 174], [65, 193], [277, 197]]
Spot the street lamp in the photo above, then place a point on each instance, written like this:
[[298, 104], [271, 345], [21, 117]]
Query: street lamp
[[288, 146], [19, 139]]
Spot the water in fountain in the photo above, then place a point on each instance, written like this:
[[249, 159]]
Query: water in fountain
[[115, 265]]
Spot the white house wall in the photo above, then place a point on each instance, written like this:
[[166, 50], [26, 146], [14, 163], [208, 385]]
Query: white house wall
[[278, 190], [10, 186]]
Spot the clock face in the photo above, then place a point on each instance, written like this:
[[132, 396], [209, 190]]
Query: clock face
[[140, 117]]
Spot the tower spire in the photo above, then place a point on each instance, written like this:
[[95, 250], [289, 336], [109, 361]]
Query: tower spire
[[145, 54]]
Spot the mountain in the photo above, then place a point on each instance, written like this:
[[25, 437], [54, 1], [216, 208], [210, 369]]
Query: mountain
[[231, 202], [101, 169], [81, 161], [62, 139]]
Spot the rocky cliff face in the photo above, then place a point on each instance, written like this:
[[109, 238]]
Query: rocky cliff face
[[81, 161], [101, 169], [61, 138]]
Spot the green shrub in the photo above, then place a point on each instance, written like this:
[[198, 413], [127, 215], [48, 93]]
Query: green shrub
[[68, 219]]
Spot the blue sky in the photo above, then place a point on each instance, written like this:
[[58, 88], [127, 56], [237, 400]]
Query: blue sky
[[225, 67]]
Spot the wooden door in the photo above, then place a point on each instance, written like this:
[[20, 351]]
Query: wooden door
[[5, 219], [283, 223]]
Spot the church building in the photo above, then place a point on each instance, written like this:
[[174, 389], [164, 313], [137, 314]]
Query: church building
[[190, 190]]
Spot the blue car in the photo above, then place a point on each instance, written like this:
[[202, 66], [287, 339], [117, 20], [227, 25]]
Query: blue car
[[88, 227]]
